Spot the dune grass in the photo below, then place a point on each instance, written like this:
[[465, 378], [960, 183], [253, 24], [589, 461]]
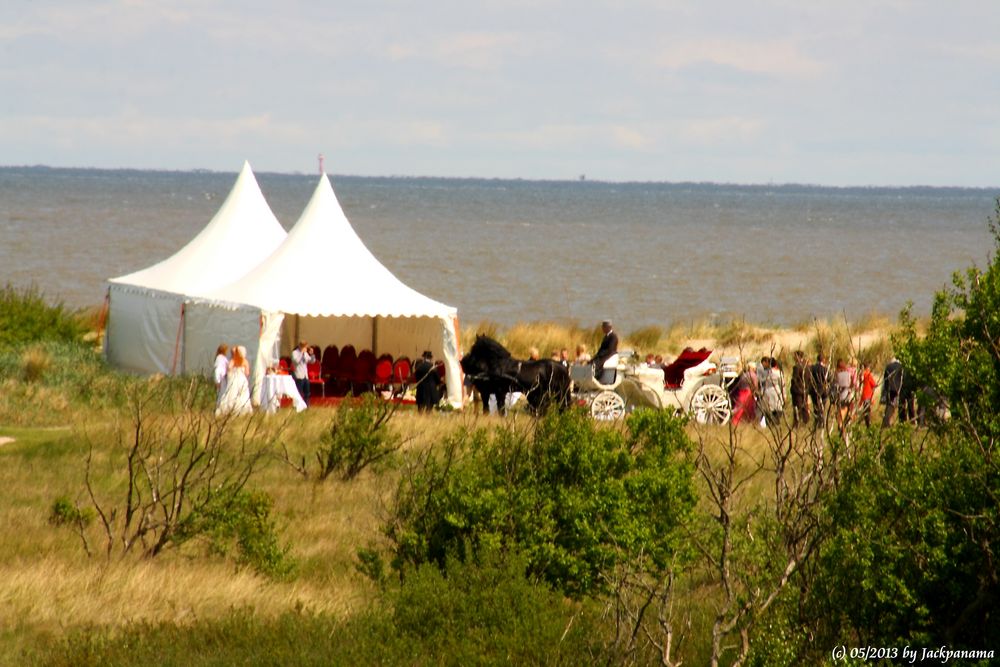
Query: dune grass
[[868, 338], [57, 398]]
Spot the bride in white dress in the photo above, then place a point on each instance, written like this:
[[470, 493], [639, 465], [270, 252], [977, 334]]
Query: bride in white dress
[[235, 398]]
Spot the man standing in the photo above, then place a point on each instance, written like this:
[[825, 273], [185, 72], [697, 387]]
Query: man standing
[[427, 382], [819, 388], [799, 388], [892, 385], [607, 352], [301, 358]]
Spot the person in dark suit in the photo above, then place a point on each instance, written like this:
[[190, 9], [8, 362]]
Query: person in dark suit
[[608, 348], [799, 388], [892, 386], [427, 382], [819, 388]]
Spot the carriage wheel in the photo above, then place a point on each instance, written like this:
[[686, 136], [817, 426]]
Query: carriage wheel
[[607, 406], [710, 405]]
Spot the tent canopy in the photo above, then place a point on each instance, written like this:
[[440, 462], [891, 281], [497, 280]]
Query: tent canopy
[[145, 309], [240, 236], [329, 288], [323, 269]]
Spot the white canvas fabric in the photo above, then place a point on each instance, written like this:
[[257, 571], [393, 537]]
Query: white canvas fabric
[[330, 287], [324, 269], [145, 326]]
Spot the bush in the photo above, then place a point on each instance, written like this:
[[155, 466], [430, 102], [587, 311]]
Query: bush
[[488, 609], [574, 498], [243, 518], [180, 471], [358, 437], [26, 316], [65, 512]]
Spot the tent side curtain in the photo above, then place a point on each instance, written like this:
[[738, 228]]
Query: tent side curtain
[[268, 353], [144, 330], [207, 324]]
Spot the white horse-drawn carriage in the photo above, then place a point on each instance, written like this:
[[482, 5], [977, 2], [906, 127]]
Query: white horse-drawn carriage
[[691, 384]]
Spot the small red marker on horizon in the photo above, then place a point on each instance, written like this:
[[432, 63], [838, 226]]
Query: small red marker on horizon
[[321, 171]]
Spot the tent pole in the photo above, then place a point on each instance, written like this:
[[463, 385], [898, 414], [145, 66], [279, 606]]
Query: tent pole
[[297, 336], [375, 335]]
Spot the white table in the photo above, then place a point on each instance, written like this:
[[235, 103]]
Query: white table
[[274, 387]]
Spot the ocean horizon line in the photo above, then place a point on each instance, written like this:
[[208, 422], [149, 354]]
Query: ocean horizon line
[[579, 181]]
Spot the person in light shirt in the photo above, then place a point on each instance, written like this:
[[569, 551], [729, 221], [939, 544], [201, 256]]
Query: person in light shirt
[[302, 356]]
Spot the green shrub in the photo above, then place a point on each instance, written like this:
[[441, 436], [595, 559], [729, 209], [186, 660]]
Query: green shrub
[[487, 610], [359, 436], [574, 498], [65, 512], [241, 519], [26, 316]]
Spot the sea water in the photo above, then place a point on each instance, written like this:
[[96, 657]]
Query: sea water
[[508, 251]]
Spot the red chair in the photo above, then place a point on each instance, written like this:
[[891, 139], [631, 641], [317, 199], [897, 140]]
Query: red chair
[[439, 368], [328, 366], [343, 370], [314, 371], [345, 362], [329, 360], [364, 372], [383, 371], [401, 371], [284, 363]]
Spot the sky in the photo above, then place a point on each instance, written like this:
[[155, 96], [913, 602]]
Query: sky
[[830, 92]]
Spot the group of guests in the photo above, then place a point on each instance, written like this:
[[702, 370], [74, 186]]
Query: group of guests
[[232, 377], [816, 388], [759, 385]]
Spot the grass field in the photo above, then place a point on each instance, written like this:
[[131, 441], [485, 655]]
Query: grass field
[[53, 416]]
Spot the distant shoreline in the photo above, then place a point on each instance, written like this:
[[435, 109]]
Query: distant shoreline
[[761, 186]]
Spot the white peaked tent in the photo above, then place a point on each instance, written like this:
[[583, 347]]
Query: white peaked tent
[[147, 332], [323, 285]]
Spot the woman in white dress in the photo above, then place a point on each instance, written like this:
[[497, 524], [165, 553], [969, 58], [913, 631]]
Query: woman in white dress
[[235, 398], [221, 367]]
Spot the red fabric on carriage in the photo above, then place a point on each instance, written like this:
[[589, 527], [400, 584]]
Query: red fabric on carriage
[[673, 374]]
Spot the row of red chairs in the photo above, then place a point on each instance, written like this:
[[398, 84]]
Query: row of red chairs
[[340, 371]]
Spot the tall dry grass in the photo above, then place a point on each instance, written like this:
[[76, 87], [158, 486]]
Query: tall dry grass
[[47, 580], [864, 339], [49, 584]]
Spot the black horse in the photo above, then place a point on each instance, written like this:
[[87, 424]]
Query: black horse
[[493, 370]]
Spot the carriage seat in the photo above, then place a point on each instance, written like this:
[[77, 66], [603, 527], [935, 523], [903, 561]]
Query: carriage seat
[[609, 370], [689, 363], [582, 375]]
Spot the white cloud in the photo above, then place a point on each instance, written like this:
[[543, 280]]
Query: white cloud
[[130, 128], [780, 58], [631, 138], [723, 130], [472, 50]]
